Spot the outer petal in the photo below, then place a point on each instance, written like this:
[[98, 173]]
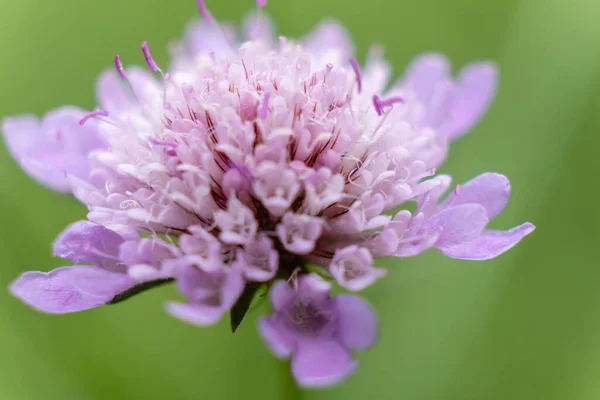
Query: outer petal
[[280, 295], [201, 38], [321, 363], [313, 289], [257, 26], [112, 93], [489, 190], [51, 150], [70, 289], [358, 327], [276, 337], [84, 241], [456, 225], [490, 244], [425, 73], [475, 90], [330, 43], [194, 313]]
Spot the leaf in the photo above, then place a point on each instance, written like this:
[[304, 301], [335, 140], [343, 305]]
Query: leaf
[[139, 288], [239, 310]]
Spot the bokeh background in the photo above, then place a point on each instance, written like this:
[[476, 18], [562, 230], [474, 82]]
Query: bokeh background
[[523, 326]]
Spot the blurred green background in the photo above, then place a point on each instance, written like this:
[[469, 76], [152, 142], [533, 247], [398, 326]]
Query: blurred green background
[[524, 326]]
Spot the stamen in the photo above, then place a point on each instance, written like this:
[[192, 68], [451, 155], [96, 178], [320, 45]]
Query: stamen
[[264, 109], [205, 13], [149, 60], [356, 69], [92, 114], [380, 104], [261, 3], [119, 66]]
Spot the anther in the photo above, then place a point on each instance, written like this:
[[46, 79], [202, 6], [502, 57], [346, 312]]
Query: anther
[[119, 66], [149, 60], [380, 104], [92, 114], [356, 69]]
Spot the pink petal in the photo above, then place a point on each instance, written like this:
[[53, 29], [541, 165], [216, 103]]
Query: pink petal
[[70, 289], [456, 225], [196, 314], [202, 39], [425, 73], [276, 337], [280, 295], [257, 26], [321, 363], [489, 244], [84, 241], [51, 149], [489, 190], [358, 326], [330, 42], [475, 90]]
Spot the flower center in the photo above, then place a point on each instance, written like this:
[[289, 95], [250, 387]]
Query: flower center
[[308, 318]]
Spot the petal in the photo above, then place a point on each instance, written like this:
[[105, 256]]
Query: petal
[[475, 90], [203, 38], [330, 43], [112, 93], [20, 133], [313, 289], [70, 289], [352, 268], [358, 326], [195, 313], [490, 244], [275, 336], [425, 73], [257, 26], [280, 295], [84, 241], [54, 148], [376, 73], [456, 225], [232, 288], [321, 363], [489, 190], [427, 203], [189, 278]]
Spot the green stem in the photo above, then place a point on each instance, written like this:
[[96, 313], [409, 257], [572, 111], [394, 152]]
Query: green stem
[[288, 387]]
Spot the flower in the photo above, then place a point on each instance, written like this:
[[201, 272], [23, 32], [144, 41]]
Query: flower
[[317, 330], [248, 165]]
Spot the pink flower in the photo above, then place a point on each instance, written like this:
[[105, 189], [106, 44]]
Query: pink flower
[[316, 330], [251, 159]]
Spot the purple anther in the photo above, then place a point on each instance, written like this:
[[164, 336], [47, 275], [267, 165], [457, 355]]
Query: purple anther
[[205, 13], [380, 104], [149, 60], [119, 66], [356, 69], [92, 114]]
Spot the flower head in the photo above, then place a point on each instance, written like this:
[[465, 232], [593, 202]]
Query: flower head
[[247, 162]]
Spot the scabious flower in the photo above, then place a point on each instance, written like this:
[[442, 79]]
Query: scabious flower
[[253, 164]]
